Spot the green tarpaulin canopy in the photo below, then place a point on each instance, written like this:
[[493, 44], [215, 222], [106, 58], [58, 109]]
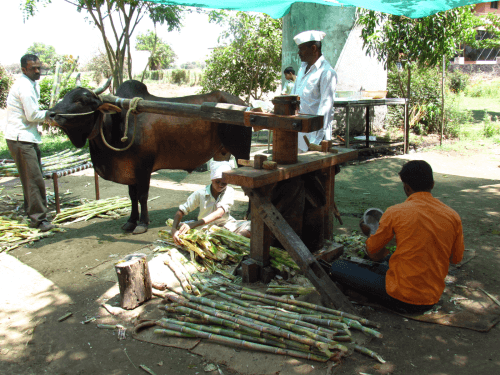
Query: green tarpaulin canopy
[[278, 8]]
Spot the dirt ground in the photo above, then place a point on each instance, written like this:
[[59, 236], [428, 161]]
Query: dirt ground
[[73, 272]]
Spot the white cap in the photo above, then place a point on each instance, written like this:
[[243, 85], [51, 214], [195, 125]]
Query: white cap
[[217, 167], [309, 36]]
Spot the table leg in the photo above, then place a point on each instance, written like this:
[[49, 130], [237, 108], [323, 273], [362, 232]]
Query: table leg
[[347, 126], [367, 118], [330, 202]]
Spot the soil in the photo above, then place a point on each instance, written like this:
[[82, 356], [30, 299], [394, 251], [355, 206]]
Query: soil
[[73, 272]]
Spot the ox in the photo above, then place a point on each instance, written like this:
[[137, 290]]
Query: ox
[[160, 142]]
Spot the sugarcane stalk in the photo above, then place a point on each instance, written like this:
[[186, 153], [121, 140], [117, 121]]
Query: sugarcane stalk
[[323, 347], [206, 318], [357, 325], [310, 306], [368, 352], [180, 276], [224, 332], [263, 317], [177, 257], [246, 345], [169, 332]]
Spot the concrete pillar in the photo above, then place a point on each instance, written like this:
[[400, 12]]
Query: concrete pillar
[[343, 48]]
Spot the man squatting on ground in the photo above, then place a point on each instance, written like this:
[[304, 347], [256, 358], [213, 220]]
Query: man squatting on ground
[[215, 202], [428, 236], [315, 84], [22, 136]]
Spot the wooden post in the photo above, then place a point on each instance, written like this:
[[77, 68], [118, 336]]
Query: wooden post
[[134, 281], [285, 143], [330, 202], [96, 180], [56, 192], [367, 126]]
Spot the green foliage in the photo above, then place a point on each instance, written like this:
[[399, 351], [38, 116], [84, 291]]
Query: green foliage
[[483, 89], [425, 103], [162, 56], [458, 81], [251, 61], [180, 76], [6, 81], [423, 41], [47, 54], [122, 16], [491, 128], [46, 89], [99, 66]]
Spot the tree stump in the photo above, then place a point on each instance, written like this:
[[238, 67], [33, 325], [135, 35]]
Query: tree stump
[[134, 281]]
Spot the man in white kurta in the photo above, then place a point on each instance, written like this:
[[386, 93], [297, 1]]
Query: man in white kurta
[[22, 137], [315, 84]]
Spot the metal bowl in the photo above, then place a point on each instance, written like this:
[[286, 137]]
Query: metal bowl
[[371, 217]]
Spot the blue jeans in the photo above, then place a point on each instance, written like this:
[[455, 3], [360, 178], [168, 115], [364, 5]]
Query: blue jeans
[[371, 283]]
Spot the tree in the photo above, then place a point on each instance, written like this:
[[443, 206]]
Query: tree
[[47, 54], [250, 64], [423, 42], [162, 55], [121, 17], [5, 84]]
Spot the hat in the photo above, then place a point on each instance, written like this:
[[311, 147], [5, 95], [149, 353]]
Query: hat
[[217, 168], [309, 36]]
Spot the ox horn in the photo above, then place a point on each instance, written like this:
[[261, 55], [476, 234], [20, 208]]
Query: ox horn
[[100, 90]]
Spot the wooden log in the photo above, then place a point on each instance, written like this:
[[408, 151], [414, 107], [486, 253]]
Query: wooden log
[[134, 281], [269, 165], [258, 160]]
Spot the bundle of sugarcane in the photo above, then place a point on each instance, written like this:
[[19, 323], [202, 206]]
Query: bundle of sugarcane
[[237, 322], [17, 232], [215, 245], [110, 208], [61, 160]]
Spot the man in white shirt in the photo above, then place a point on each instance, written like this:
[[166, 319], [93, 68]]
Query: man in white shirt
[[315, 84], [215, 202], [22, 136]]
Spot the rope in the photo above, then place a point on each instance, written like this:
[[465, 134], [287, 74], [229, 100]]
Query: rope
[[132, 109]]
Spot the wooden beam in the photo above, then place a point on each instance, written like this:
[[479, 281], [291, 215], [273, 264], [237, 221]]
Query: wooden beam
[[307, 162], [223, 113], [331, 295]]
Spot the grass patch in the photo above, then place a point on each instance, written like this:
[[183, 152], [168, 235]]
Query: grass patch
[[51, 144]]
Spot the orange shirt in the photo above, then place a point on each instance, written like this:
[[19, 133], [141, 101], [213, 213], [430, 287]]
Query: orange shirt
[[428, 235]]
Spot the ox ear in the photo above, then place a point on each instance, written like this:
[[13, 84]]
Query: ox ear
[[109, 109]]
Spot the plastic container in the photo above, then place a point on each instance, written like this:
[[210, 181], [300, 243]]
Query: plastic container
[[377, 94]]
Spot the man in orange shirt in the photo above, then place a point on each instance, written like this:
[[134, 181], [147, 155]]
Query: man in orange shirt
[[428, 236]]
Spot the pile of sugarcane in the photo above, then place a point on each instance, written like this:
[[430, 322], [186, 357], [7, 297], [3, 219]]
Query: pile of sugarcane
[[16, 232], [248, 319], [62, 160], [289, 289], [110, 208], [354, 245], [213, 246]]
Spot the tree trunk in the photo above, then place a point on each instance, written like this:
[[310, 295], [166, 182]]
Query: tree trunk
[[134, 281]]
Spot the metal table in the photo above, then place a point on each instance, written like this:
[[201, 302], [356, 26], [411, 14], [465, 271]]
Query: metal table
[[367, 103]]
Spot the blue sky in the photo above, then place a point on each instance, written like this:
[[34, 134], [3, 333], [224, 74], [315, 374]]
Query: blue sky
[[60, 25]]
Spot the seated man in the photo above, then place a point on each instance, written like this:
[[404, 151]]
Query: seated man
[[428, 236], [215, 201]]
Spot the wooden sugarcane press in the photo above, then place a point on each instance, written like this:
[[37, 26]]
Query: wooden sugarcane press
[[259, 183]]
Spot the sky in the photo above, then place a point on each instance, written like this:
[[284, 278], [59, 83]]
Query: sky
[[60, 25]]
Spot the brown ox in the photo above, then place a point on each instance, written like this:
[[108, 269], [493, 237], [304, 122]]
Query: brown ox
[[160, 142]]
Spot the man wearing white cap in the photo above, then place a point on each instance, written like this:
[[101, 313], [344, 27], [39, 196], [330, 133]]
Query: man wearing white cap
[[215, 202], [315, 84]]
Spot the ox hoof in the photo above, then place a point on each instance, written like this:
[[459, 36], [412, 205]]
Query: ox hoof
[[129, 227], [141, 228]]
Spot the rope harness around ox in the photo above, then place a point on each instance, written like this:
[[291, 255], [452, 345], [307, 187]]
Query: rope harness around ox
[[132, 109]]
